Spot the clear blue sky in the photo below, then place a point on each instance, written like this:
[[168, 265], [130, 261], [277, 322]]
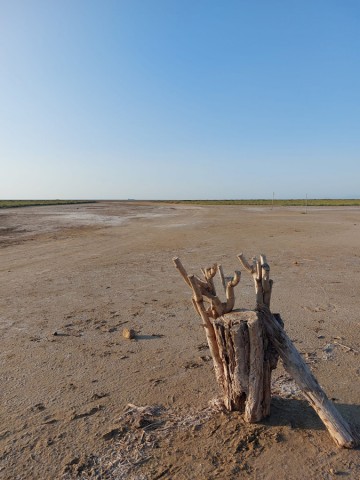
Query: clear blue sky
[[179, 99]]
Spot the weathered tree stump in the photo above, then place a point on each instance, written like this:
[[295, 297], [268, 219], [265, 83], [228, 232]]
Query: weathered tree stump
[[247, 359], [245, 346]]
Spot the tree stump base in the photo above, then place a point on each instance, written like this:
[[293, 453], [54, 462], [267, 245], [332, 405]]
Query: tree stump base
[[247, 359]]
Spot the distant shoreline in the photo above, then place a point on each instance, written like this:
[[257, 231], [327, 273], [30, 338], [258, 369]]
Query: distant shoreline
[[276, 203], [324, 202], [39, 203]]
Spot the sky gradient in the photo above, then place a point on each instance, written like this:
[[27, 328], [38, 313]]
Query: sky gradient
[[179, 99]]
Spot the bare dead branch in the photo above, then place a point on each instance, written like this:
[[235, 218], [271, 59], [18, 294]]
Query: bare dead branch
[[209, 274], [181, 270], [266, 282], [209, 328], [196, 288], [236, 278], [245, 263], [256, 271], [230, 296], [222, 276]]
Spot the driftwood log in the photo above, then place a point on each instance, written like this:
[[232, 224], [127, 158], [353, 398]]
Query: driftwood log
[[245, 346]]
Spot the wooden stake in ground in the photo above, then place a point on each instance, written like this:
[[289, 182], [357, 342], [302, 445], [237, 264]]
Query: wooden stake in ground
[[245, 346]]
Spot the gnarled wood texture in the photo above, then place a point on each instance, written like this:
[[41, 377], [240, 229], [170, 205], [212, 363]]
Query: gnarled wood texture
[[245, 355], [245, 346]]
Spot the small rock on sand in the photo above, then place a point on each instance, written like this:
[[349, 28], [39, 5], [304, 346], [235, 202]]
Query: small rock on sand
[[128, 333]]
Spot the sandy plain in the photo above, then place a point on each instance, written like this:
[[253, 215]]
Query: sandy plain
[[72, 277]]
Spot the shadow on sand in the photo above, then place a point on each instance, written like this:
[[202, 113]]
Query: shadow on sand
[[298, 414]]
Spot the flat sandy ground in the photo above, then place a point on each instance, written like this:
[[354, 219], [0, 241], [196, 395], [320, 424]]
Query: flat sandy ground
[[72, 277]]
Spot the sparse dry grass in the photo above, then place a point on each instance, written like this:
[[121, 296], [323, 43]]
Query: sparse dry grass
[[318, 202], [140, 430], [38, 203]]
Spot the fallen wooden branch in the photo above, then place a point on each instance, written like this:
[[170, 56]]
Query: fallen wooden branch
[[294, 364]]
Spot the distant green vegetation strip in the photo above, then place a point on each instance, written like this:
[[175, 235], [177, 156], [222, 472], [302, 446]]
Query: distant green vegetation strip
[[324, 202], [36, 203]]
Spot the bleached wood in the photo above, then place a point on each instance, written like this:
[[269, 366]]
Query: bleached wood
[[229, 341], [256, 272], [265, 280], [337, 426], [253, 408], [240, 337], [247, 363], [209, 274], [225, 357], [233, 342], [209, 329], [230, 296], [181, 270], [245, 263], [206, 289], [245, 346], [222, 276]]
